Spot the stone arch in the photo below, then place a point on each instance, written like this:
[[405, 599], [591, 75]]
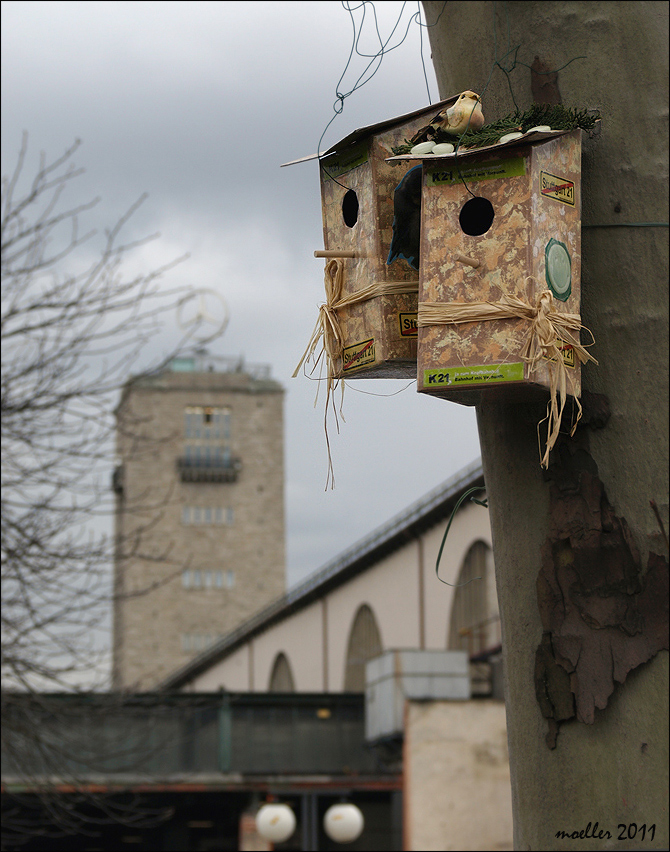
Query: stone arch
[[281, 679], [364, 644], [472, 610]]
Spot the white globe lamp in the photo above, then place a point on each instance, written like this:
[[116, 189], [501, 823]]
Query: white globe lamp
[[275, 823], [343, 823]]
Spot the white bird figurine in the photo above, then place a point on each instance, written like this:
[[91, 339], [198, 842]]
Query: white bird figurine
[[466, 113]]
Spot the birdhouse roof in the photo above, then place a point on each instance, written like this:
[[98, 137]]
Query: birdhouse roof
[[530, 138], [372, 129]]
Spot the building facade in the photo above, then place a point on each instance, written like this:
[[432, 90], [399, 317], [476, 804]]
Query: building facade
[[353, 684], [381, 594], [199, 512]]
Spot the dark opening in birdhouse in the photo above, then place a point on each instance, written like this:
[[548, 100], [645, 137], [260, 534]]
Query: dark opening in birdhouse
[[377, 324], [350, 208], [476, 217]]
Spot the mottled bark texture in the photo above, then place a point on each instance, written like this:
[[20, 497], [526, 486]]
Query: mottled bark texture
[[588, 530], [602, 615]]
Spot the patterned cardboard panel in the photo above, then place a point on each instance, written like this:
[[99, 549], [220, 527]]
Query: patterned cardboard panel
[[380, 336], [534, 193]]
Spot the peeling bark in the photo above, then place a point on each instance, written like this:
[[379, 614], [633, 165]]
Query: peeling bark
[[602, 615]]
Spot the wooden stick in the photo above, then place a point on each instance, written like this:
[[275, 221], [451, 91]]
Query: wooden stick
[[336, 253], [468, 261]]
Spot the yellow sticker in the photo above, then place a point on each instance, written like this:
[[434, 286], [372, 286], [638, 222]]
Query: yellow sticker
[[358, 355], [567, 351], [407, 324], [558, 188]]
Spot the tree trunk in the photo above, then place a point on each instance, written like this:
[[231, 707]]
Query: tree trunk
[[578, 754]]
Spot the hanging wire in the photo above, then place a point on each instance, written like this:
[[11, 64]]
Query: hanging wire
[[373, 393], [485, 504], [498, 62], [423, 64], [630, 225], [501, 62], [365, 76]]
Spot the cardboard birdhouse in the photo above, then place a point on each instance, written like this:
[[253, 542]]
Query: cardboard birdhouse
[[500, 226], [379, 334]]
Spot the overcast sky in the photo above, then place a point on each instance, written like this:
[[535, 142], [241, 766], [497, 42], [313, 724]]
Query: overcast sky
[[198, 104]]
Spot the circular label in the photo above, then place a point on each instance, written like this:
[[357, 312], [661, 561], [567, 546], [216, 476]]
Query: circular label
[[558, 269]]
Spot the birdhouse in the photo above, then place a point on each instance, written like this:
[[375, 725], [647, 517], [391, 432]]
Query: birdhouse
[[500, 264], [376, 302]]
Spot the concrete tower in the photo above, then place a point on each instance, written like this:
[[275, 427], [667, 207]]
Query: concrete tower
[[200, 511]]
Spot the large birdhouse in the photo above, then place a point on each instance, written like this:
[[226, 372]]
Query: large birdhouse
[[373, 303], [500, 264]]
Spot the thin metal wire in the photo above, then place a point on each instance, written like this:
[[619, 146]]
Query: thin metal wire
[[340, 97], [498, 63], [631, 225], [484, 503]]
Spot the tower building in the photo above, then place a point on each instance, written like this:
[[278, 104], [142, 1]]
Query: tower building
[[199, 511]]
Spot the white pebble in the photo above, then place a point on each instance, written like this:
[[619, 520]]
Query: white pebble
[[541, 128], [423, 148], [443, 148], [508, 137]]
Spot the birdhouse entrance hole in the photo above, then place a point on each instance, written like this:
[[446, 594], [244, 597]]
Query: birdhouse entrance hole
[[350, 208], [476, 217]]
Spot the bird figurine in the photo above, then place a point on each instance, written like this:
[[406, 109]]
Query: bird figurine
[[407, 219], [465, 114]]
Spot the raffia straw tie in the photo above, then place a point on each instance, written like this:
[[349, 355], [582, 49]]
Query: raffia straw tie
[[327, 328], [327, 331], [548, 328]]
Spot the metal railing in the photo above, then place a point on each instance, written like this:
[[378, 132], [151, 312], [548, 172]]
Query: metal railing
[[208, 470], [173, 737]]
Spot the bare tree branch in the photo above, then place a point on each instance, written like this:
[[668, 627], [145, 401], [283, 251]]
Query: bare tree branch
[[72, 328]]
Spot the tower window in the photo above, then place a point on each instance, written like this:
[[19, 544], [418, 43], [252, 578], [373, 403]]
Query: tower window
[[199, 579], [207, 454], [193, 642], [208, 515]]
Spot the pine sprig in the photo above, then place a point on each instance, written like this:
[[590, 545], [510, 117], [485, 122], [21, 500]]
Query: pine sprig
[[556, 116]]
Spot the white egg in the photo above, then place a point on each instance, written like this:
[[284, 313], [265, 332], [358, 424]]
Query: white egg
[[508, 137], [443, 148], [423, 148], [541, 128]]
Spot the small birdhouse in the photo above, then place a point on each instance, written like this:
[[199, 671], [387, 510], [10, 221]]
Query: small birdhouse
[[377, 300], [500, 265]]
